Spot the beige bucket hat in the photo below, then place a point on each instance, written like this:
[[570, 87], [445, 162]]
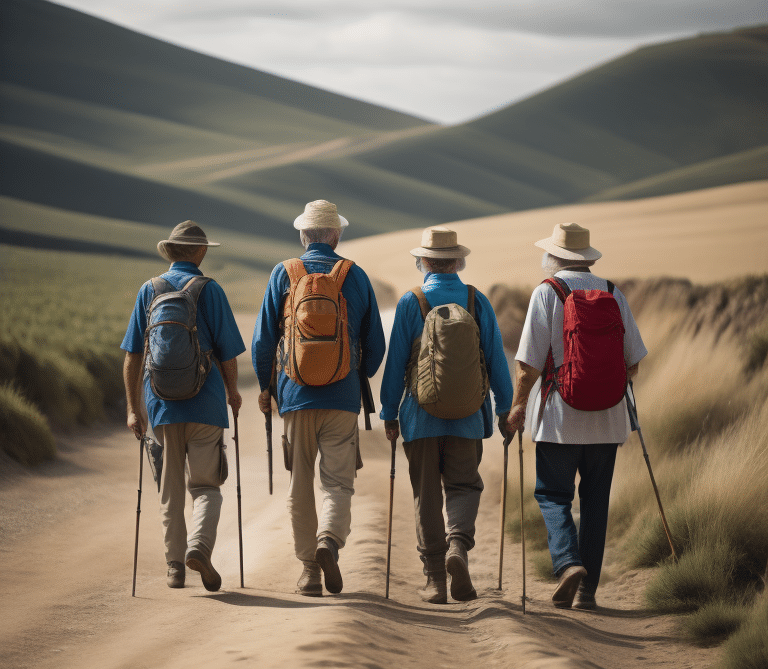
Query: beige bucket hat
[[320, 214], [569, 241], [189, 233], [440, 243]]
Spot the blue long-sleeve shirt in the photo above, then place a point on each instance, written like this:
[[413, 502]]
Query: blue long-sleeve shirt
[[415, 423], [366, 337]]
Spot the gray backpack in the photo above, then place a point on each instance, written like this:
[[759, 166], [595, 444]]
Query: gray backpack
[[446, 372], [176, 366]]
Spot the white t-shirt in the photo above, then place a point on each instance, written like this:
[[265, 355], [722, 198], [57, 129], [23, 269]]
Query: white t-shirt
[[543, 328]]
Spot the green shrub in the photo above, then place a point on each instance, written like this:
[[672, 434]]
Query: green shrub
[[747, 648], [24, 432], [714, 622]]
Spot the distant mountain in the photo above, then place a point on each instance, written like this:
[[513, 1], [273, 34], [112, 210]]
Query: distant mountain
[[99, 120]]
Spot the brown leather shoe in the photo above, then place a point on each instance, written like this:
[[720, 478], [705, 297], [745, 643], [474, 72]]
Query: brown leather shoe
[[566, 588], [176, 574], [310, 582], [585, 598], [198, 561], [436, 589], [327, 556], [457, 565]]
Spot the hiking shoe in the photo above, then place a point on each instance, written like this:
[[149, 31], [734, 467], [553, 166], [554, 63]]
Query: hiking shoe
[[176, 574], [457, 565], [585, 598], [436, 589], [310, 583], [327, 556], [197, 561], [566, 588]]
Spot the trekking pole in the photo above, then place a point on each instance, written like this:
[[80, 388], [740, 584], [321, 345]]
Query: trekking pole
[[138, 514], [503, 511], [635, 425], [268, 421], [391, 504], [522, 512], [239, 505]]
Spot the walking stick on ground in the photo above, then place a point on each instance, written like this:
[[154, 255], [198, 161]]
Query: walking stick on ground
[[522, 512], [239, 505], [635, 424], [138, 514], [268, 420], [503, 511], [391, 504]]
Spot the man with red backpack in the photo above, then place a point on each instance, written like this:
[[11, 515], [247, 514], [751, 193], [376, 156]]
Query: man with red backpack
[[317, 334], [580, 337]]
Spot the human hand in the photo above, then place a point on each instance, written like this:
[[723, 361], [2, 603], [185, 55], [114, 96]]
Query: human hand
[[392, 429], [503, 425], [136, 424], [516, 419], [265, 401], [235, 400]]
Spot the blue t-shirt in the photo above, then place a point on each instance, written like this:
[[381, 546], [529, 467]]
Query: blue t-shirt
[[415, 423], [216, 331], [366, 337]]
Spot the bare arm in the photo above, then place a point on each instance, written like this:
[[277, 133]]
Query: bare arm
[[229, 374], [132, 380], [525, 378]]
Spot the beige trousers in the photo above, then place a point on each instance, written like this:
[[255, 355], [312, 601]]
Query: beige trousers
[[199, 446], [334, 434]]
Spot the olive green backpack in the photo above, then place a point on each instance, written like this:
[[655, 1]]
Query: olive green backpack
[[446, 372]]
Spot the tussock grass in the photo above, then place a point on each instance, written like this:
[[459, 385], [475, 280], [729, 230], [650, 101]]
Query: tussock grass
[[714, 622], [24, 432], [748, 647]]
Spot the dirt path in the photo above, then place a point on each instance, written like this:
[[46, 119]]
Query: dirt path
[[67, 532]]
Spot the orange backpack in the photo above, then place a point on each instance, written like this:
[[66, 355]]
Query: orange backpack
[[314, 349]]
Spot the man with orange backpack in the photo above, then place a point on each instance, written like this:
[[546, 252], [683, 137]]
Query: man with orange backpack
[[581, 338], [317, 334]]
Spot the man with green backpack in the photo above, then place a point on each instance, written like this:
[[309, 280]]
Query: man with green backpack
[[445, 353]]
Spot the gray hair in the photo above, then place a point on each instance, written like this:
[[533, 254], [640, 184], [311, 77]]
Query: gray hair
[[441, 265], [181, 252], [330, 236], [552, 264]]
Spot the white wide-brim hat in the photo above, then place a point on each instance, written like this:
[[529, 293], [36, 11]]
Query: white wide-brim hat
[[440, 243], [320, 214], [188, 233], [569, 241]]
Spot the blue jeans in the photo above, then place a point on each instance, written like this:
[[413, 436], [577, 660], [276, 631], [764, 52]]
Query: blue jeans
[[556, 468]]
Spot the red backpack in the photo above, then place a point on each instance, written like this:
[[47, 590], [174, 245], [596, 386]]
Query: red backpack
[[593, 376]]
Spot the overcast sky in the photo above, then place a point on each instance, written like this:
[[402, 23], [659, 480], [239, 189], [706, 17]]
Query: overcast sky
[[444, 60]]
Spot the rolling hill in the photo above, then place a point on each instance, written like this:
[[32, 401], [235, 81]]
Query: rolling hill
[[100, 121]]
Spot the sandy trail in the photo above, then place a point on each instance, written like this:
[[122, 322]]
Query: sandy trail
[[67, 551]]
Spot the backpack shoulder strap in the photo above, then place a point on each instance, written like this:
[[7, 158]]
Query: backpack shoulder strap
[[423, 302], [340, 271], [559, 286], [611, 287], [195, 286], [471, 300], [295, 269], [161, 285]]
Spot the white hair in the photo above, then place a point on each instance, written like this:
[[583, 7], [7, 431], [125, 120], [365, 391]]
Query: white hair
[[330, 236], [441, 265], [552, 264]]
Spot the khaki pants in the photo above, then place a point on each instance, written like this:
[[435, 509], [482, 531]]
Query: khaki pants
[[446, 462], [334, 434], [200, 446]]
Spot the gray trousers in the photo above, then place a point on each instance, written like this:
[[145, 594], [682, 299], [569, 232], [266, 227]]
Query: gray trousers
[[198, 447], [450, 463]]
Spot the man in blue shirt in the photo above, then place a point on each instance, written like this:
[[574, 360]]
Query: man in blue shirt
[[443, 453], [319, 417], [190, 430]]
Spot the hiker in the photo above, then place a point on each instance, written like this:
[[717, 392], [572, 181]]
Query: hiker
[[443, 432], [191, 428], [312, 344], [576, 422]]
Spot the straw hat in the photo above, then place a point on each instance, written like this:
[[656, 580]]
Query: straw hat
[[440, 243], [569, 241], [320, 214], [189, 233]]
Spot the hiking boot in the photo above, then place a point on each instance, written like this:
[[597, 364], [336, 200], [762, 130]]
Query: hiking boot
[[327, 556], [176, 574], [457, 565], [436, 589], [585, 598], [567, 586], [197, 561], [310, 583]]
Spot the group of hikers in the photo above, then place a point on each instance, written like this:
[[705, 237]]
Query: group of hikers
[[319, 338]]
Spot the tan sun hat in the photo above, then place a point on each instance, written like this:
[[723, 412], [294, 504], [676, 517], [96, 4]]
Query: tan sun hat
[[569, 241], [440, 243], [189, 233], [320, 214]]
